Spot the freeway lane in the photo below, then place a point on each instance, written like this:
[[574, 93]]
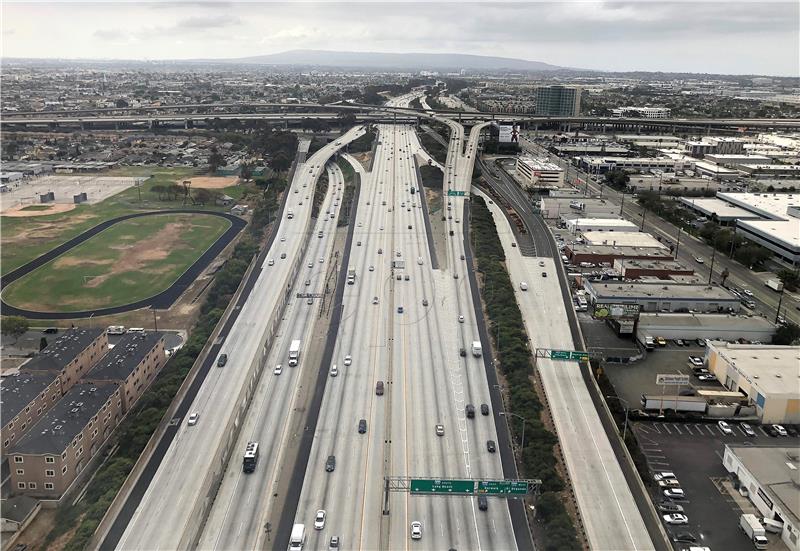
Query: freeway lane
[[244, 500], [175, 505]]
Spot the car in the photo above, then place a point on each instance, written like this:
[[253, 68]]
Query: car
[[278, 369], [462, 257], [193, 419], [779, 430], [416, 530], [483, 503], [222, 360], [372, 268], [674, 493], [310, 264], [333, 545], [283, 255], [667, 507], [663, 475], [362, 426], [701, 343], [679, 342], [491, 446], [696, 361], [399, 309], [358, 243], [439, 430], [484, 409], [380, 251], [541, 263], [348, 359], [684, 537], [748, 292], [544, 274], [374, 300], [319, 520], [698, 260], [330, 464], [706, 377], [310, 300], [283, 238], [50, 331], [321, 260], [747, 429], [455, 276], [523, 286], [676, 518], [308, 282], [669, 483], [407, 277], [334, 371], [469, 409], [661, 341], [419, 258], [271, 262], [460, 319], [399, 277], [462, 352]]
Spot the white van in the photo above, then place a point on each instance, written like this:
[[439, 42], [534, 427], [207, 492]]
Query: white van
[[116, 330]]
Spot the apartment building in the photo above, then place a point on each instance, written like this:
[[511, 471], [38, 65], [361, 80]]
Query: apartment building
[[48, 458], [132, 365], [40, 383]]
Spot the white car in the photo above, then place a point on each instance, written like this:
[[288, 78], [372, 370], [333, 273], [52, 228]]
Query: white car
[[523, 286], [372, 268], [676, 518], [319, 520], [193, 419], [748, 292], [663, 475], [283, 238], [674, 493], [460, 319], [541, 263], [724, 427], [374, 300], [334, 370], [694, 360], [779, 430], [698, 260], [416, 530], [310, 264], [271, 262], [278, 369], [669, 483], [348, 360]]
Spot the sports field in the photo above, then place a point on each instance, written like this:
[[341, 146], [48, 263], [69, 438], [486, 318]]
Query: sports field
[[132, 260]]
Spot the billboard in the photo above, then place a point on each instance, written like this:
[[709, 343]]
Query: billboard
[[508, 133], [604, 310]]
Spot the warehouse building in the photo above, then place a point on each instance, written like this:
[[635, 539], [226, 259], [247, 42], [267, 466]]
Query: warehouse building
[[706, 326], [766, 374], [659, 296], [538, 173], [46, 461], [622, 239], [576, 225], [773, 483], [662, 269], [132, 365], [601, 254], [41, 382]]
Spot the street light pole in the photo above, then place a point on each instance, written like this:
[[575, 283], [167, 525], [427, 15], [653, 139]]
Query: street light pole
[[522, 442], [713, 256], [627, 409]]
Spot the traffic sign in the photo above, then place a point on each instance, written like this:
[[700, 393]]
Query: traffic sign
[[454, 193], [559, 354], [569, 355], [437, 486], [503, 487], [672, 379]]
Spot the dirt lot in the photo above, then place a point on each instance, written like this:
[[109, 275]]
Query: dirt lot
[[214, 182], [21, 211], [64, 187]]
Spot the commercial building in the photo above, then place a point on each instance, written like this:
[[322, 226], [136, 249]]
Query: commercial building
[[715, 171], [770, 170], [767, 374], [590, 148], [601, 165], [132, 365], [706, 326], [558, 101], [662, 269], [576, 225], [659, 296], [642, 112], [59, 446], [622, 239], [563, 205], [538, 173], [607, 254], [738, 159], [771, 477], [724, 212], [26, 397]]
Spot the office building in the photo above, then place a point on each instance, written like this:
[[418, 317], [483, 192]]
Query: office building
[[660, 296], [558, 101], [767, 374], [771, 478], [538, 173]]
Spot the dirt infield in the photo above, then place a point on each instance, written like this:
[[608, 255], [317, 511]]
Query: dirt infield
[[53, 208], [214, 182]]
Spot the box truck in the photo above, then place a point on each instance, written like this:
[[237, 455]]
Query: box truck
[[294, 353], [774, 284], [297, 538], [750, 525]]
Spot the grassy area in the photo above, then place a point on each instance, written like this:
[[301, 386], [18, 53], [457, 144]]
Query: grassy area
[[130, 261], [36, 207], [24, 239], [433, 147]]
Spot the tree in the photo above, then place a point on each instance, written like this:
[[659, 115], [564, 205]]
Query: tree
[[14, 326], [790, 279], [246, 171], [281, 162], [617, 178], [121, 103], [215, 160], [786, 334]]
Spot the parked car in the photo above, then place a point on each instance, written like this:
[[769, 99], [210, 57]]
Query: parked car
[[684, 537], [701, 342], [748, 430], [696, 361], [674, 493], [661, 341], [706, 377], [667, 507], [725, 427], [662, 475], [679, 342], [669, 483], [779, 430], [676, 518]]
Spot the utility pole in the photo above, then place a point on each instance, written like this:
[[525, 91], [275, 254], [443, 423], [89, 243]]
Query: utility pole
[[644, 212], [678, 244], [713, 256]]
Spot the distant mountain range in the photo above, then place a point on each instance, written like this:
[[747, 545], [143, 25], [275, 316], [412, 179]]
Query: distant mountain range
[[378, 60]]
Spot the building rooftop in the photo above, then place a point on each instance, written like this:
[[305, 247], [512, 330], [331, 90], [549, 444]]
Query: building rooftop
[[646, 264], [129, 352], [721, 322], [770, 368], [713, 206], [53, 432], [767, 205], [785, 231], [608, 222], [660, 290], [622, 239], [17, 391], [777, 471], [537, 164], [66, 347], [619, 250]]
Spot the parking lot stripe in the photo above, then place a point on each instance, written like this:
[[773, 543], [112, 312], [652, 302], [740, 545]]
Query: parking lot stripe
[[666, 428], [677, 428], [711, 432]]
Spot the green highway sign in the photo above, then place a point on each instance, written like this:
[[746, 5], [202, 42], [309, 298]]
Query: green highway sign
[[435, 486], [454, 193], [503, 487], [569, 355]]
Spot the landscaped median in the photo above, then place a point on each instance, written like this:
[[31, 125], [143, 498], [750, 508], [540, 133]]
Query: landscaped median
[[505, 324]]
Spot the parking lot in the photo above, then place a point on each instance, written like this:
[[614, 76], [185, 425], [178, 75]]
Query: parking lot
[[694, 451]]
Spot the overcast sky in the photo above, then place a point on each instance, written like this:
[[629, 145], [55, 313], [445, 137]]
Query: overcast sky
[[716, 37]]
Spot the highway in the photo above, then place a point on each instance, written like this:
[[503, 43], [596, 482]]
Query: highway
[[416, 355], [176, 503], [608, 511], [689, 247], [244, 500]]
